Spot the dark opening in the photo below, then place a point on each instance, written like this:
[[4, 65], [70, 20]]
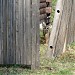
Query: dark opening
[[51, 47], [58, 11]]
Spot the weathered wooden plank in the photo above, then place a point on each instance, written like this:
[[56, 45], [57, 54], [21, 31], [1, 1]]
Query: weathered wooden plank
[[17, 33], [70, 34], [33, 34], [37, 34], [55, 28], [10, 33], [1, 31], [66, 27], [73, 22], [14, 32], [20, 29], [74, 17], [8, 56], [25, 50], [28, 30], [60, 44], [4, 32], [62, 30], [21, 32], [67, 22]]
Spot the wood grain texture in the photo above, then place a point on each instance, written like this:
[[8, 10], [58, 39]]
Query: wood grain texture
[[63, 28], [19, 32]]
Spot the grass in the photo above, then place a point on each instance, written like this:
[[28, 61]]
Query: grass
[[62, 65]]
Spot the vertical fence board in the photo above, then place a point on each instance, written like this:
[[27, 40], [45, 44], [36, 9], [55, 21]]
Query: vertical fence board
[[14, 32], [22, 31], [28, 30], [37, 33], [19, 32], [8, 33], [70, 35], [0, 33], [62, 31], [25, 55], [55, 28], [34, 32], [1, 16], [74, 18], [66, 34], [9, 37], [4, 32]]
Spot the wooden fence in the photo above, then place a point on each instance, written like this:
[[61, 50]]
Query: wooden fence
[[19, 32], [63, 32]]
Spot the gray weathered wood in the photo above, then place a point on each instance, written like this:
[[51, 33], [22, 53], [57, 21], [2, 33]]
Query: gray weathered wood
[[33, 35], [0, 31], [25, 50], [19, 32], [37, 35], [28, 30], [55, 28], [64, 34], [4, 32]]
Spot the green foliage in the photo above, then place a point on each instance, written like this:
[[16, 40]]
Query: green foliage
[[53, 10]]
